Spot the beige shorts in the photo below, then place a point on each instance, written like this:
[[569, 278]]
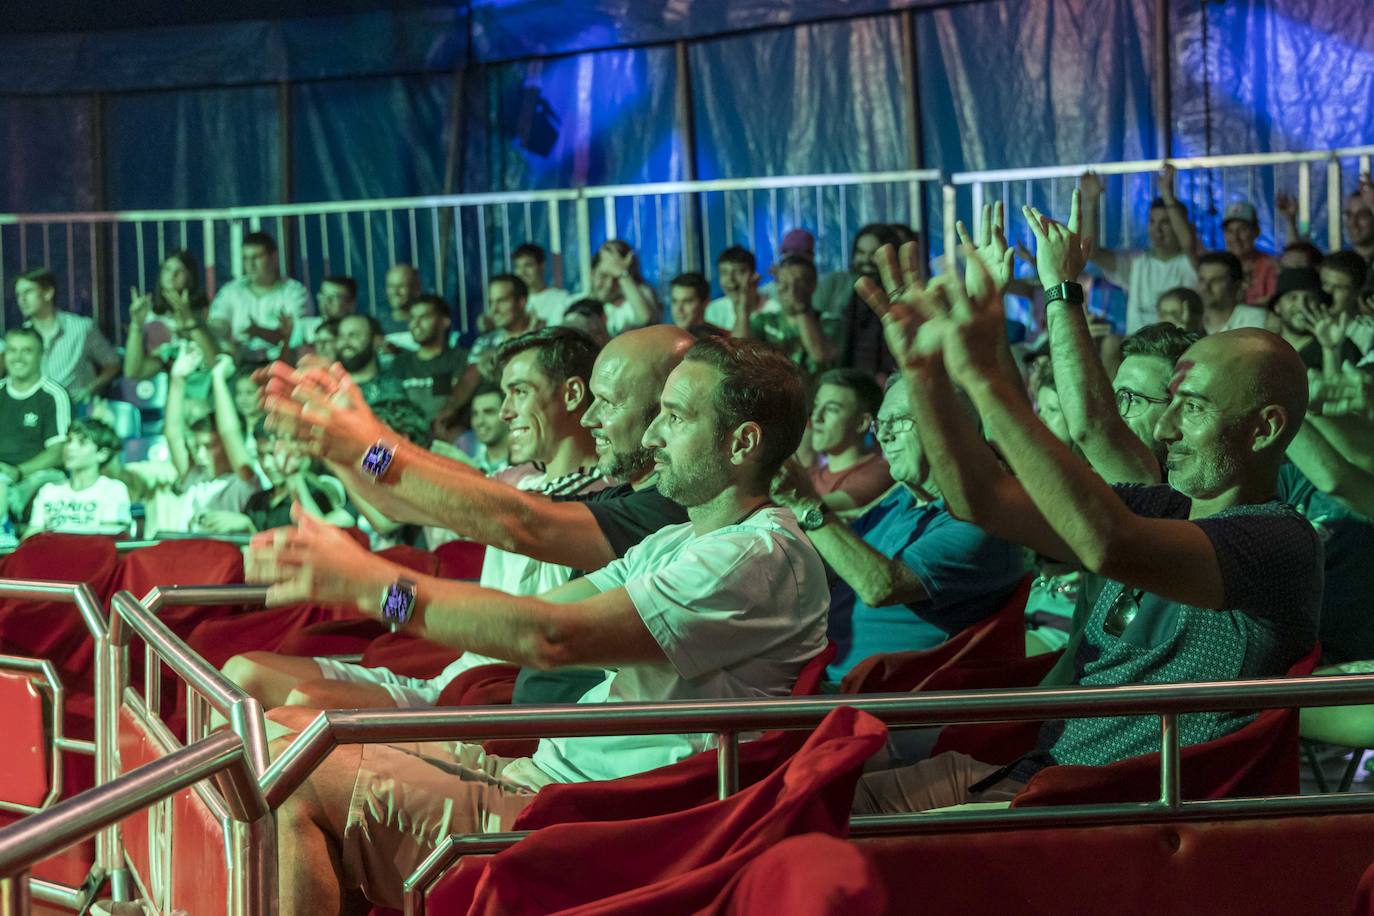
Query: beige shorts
[[408, 798], [938, 782]]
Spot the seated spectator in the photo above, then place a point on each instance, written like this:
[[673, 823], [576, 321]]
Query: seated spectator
[[1181, 307], [506, 299], [176, 309], [88, 502], [544, 375], [484, 446], [589, 317], [76, 355], [545, 303], [401, 286], [797, 243], [853, 473], [1208, 578], [835, 291], [861, 346], [428, 373], [1220, 283], [1048, 406], [730, 605], [740, 301], [359, 336], [290, 481], [1054, 590], [1358, 216], [337, 298], [618, 283], [1240, 229], [35, 413], [689, 294], [255, 313], [910, 574], [1309, 321], [793, 326], [1343, 275], [1146, 275], [326, 340], [1301, 254]]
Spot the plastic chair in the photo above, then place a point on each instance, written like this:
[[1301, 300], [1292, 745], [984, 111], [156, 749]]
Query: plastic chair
[[1001, 636], [679, 862]]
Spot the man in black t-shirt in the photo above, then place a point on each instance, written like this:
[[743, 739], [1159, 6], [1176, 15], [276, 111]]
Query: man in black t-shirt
[[34, 415], [429, 373]]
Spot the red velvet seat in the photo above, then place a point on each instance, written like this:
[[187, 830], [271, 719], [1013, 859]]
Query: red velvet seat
[[189, 562], [1000, 637], [808, 875], [679, 862], [460, 560]]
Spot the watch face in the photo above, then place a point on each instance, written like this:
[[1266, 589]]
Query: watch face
[[377, 460], [398, 603]]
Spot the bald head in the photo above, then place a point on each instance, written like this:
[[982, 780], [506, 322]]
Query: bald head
[[648, 355], [1255, 368], [402, 286]]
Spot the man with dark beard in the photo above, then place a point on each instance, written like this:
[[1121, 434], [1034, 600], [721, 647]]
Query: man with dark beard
[[357, 348]]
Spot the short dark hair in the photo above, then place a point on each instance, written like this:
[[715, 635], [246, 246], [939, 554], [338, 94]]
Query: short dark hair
[[865, 387], [440, 305], [737, 254], [22, 331], [707, 330], [521, 290], [1348, 263], [261, 240], [347, 283], [98, 433], [695, 282], [564, 353], [1162, 339], [1159, 204], [41, 277], [806, 265], [329, 324], [1224, 258], [881, 231], [486, 387], [529, 250], [759, 384], [1185, 294], [587, 308], [373, 324], [1307, 249]]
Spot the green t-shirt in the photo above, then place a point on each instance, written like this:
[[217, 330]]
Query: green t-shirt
[[775, 327]]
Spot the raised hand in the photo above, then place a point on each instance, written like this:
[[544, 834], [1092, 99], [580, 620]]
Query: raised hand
[[322, 410], [187, 361], [978, 325], [991, 248], [223, 368], [1287, 205], [1091, 185], [140, 307], [617, 263], [315, 561], [1060, 252], [1329, 327], [1167, 176], [914, 320]]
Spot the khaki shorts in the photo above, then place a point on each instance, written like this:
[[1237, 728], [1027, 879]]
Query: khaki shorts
[[937, 782], [408, 798]]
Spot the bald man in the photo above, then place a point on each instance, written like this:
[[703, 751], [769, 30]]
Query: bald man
[[1208, 577]]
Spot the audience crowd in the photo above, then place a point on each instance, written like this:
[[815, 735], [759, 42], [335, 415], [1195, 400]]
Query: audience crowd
[[686, 497]]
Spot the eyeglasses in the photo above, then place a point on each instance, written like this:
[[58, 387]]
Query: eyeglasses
[[893, 426], [1122, 611], [1132, 403]]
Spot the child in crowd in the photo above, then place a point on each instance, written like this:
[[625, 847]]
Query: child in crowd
[[89, 501]]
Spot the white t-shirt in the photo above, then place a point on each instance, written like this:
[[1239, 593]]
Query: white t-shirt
[[721, 312], [239, 306], [1145, 278], [548, 305], [1245, 316], [738, 612], [104, 504]]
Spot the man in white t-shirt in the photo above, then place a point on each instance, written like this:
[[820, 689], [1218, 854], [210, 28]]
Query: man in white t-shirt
[[740, 299], [256, 312], [545, 303], [89, 502], [731, 604], [545, 376], [1221, 283], [1146, 275]]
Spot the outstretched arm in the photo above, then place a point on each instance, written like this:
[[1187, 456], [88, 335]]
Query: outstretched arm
[[1183, 228]]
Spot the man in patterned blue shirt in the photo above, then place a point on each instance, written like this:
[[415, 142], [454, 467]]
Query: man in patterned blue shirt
[[1207, 578]]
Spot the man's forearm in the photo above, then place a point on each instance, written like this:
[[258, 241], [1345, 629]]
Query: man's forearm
[[1352, 437], [1330, 473], [877, 580], [813, 340]]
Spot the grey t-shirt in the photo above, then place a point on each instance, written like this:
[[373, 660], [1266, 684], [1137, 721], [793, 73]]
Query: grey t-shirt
[[1271, 566]]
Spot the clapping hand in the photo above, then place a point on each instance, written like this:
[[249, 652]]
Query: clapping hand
[[914, 320], [322, 409], [140, 307], [991, 249], [315, 561], [1060, 252], [186, 362]]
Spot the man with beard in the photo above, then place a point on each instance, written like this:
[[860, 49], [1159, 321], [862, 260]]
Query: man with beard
[[1220, 283], [1310, 322], [1207, 578], [861, 346], [429, 372], [1359, 219], [357, 348], [544, 377], [730, 604]]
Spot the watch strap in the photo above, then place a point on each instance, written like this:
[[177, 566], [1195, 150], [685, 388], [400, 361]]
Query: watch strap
[[1067, 291]]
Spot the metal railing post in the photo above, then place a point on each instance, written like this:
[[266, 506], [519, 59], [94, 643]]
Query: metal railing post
[[1170, 793], [727, 763], [1333, 204], [14, 895]]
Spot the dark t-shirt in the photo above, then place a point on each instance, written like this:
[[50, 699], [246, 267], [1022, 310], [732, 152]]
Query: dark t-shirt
[[1347, 626], [1271, 566], [31, 423], [427, 382], [266, 516], [1311, 354]]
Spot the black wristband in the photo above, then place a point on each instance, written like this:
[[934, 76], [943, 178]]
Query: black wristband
[[1068, 291]]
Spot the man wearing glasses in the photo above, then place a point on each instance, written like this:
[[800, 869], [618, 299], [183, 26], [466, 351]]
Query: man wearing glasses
[[910, 575]]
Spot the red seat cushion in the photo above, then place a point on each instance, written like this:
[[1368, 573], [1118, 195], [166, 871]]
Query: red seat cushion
[[25, 776], [808, 875], [460, 560]]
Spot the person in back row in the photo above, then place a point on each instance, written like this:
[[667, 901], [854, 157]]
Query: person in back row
[[1207, 578], [255, 313], [88, 502], [75, 354], [35, 413], [545, 304], [854, 474], [731, 604]]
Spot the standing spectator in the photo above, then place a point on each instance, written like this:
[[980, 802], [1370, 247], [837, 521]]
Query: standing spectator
[[794, 327], [255, 313], [616, 281], [429, 372], [358, 339], [88, 502], [337, 298], [1145, 275], [1181, 307], [176, 309], [688, 296], [401, 286], [35, 413], [739, 285], [1220, 282], [75, 354], [854, 474], [1240, 229], [506, 298], [545, 304], [1304, 312]]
